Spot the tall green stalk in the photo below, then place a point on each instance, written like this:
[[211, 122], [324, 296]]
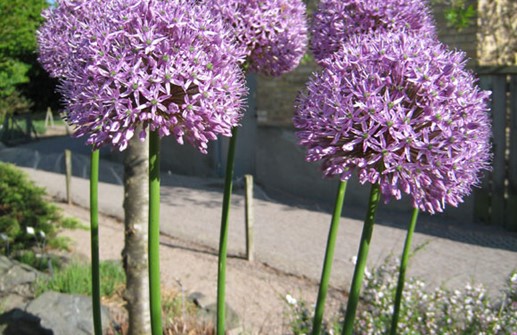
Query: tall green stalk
[[402, 272], [329, 258], [94, 235], [223, 238], [353, 298], [154, 233]]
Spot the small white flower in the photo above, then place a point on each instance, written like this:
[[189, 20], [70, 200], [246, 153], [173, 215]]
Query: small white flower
[[41, 234], [30, 231], [3, 237], [353, 260], [290, 299]]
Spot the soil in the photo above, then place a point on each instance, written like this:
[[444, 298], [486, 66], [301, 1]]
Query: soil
[[256, 291]]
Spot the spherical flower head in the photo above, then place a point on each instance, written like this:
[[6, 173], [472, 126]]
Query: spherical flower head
[[403, 112], [335, 21], [273, 33], [167, 65]]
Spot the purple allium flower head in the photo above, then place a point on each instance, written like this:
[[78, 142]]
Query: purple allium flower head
[[170, 65], [403, 112], [273, 32], [335, 21]]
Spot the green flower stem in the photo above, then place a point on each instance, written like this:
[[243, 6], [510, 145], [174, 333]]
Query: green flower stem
[[223, 238], [402, 272], [94, 235], [329, 258], [154, 233], [360, 265]]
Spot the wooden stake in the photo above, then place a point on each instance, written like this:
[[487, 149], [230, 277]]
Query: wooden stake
[[68, 171], [49, 118], [250, 248]]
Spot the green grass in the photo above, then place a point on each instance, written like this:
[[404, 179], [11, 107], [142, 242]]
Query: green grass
[[60, 243], [39, 125], [73, 223], [76, 279]]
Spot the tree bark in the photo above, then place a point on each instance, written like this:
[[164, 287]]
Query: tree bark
[[135, 255]]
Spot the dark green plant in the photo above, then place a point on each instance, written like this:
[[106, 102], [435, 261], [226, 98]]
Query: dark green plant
[[460, 17], [41, 262], [22, 205], [457, 13]]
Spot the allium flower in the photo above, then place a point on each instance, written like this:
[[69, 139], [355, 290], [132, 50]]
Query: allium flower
[[404, 113], [169, 65], [274, 32], [335, 21], [62, 39]]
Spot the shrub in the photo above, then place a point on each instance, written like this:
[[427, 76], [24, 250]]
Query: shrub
[[423, 311], [22, 205]]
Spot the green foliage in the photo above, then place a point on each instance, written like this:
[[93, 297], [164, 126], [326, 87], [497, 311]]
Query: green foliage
[[457, 13], [38, 122], [424, 311], [20, 19], [460, 17], [73, 223], [18, 24], [38, 261], [59, 243], [12, 72], [77, 279], [13, 102], [22, 205]]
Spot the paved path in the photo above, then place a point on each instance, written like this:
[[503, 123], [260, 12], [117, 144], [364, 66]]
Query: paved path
[[290, 234]]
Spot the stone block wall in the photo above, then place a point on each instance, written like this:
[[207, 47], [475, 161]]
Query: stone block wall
[[276, 96], [497, 32]]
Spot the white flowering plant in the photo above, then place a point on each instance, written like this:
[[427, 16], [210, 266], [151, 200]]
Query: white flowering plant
[[424, 310]]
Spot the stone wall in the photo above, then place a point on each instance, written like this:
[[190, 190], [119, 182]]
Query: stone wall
[[276, 96], [497, 33]]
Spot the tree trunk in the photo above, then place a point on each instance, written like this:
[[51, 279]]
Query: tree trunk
[[135, 255]]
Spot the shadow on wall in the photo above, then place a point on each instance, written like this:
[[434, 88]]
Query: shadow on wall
[[281, 167]]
